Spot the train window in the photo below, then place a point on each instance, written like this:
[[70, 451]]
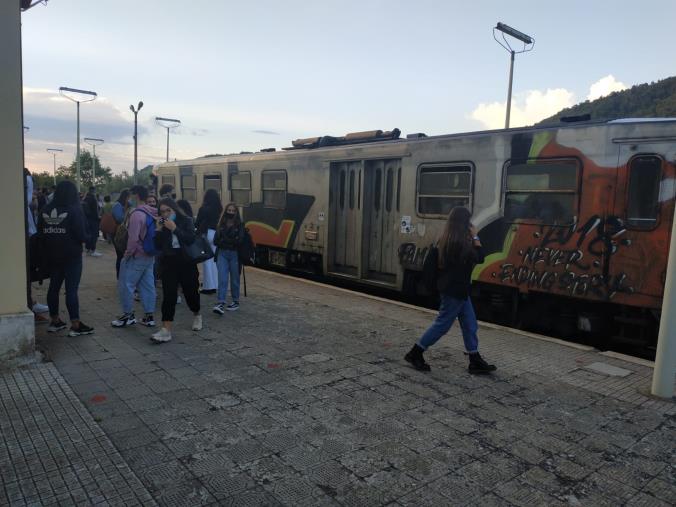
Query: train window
[[189, 187], [389, 191], [240, 188], [541, 190], [442, 187], [643, 201], [377, 191], [169, 179], [341, 193], [398, 187], [274, 189], [213, 181], [352, 189]]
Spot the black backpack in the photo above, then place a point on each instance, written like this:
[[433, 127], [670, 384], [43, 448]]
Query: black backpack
[[430, 271], [55, 237], [247, 249]]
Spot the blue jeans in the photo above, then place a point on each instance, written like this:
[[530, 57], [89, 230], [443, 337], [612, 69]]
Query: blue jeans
[[137, 272], [228, 267], [71, 273], [449, 310]]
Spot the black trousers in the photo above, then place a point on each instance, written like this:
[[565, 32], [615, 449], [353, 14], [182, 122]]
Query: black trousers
[[175, 270]]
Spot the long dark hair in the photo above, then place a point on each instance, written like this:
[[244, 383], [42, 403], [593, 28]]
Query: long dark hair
[[185, 206], [124, 197], [169, 202], [65, 195], [237, 221], [212, 200], [455, 244]]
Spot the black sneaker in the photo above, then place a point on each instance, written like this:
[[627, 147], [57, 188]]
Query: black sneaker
[[80, 330], [219, 308], [232, 306], [55, 327], [208, 291], [148, 320], [415, 357], [125, 320], [478, 365]]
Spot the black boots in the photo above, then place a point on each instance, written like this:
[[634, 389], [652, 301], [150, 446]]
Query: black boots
[[415, 357], [478, 365]]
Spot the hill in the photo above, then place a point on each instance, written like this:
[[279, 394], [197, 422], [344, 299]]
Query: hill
[[657, 99]]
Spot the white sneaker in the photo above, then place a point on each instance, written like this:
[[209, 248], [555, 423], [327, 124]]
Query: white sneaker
[[38, 308], [197, 323], [162, 336], [96, 254], [179, 300]]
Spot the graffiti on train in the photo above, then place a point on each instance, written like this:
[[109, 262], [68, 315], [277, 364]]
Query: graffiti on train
[[412, 256], [574, 259]]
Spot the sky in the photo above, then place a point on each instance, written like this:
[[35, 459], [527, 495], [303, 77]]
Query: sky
[[242, 76]]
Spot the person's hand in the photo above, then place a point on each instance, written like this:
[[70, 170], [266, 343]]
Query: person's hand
[[170, 224], [159, 223], [472, 231]]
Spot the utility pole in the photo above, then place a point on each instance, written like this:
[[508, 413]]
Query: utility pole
[[54, 151], [77, 96], [167, 123], [93, 142], [135, 111]]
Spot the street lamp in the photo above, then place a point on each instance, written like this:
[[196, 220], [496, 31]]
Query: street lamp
[[54, 151], [77, 96], [135, 111], [528, 45], [167, 123], [93, 142]]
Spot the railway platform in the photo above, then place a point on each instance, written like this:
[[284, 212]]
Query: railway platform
[[301, 397]]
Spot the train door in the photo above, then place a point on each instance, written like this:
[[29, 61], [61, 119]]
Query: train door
[[645, 206], [380, 219], [345, 188]]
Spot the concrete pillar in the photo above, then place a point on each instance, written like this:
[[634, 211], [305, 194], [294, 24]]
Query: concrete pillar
[[665, 357], [17, 329]]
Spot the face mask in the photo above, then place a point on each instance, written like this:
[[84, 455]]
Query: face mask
[[172, 217], [230, 215]]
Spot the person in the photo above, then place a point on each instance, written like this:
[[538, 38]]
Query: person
[[185, 206], [152, 201], [50, 194], [206, 223], [91, 213], [107, 204], [31, 230], [119, 212], [136, 267], [459, 251], [62, 231], [174, 230], [167, 190], [228, 238]]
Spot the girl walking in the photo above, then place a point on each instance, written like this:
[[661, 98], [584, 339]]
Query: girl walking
[[206, 223], [175, 229], [228, 238], [119, 212], [459, 251]]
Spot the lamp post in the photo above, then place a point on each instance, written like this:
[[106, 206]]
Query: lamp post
[[77, 96], [528, 45], [135, 111], [167, 123], [93, 142], [54, 151]]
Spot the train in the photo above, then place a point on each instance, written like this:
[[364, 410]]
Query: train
[[575, 218]]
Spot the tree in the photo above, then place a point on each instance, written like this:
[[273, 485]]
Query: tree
[[103, 174]]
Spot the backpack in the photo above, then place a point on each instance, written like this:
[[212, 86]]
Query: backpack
[[430, 271], [122, 234], [55, 235], [247, 249]]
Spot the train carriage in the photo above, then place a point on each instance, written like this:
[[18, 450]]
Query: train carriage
[[575, 219]]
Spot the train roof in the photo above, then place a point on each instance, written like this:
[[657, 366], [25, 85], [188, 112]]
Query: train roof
[[380, 138]]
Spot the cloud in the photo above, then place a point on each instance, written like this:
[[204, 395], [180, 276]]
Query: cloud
[[527, 109], [605, 86], [267, 132]]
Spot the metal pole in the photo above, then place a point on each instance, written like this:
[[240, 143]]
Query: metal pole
[[665, 356], [167, 144], [54, 155], [94, 166], [509, 91], [77, 156], [135, 147]]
